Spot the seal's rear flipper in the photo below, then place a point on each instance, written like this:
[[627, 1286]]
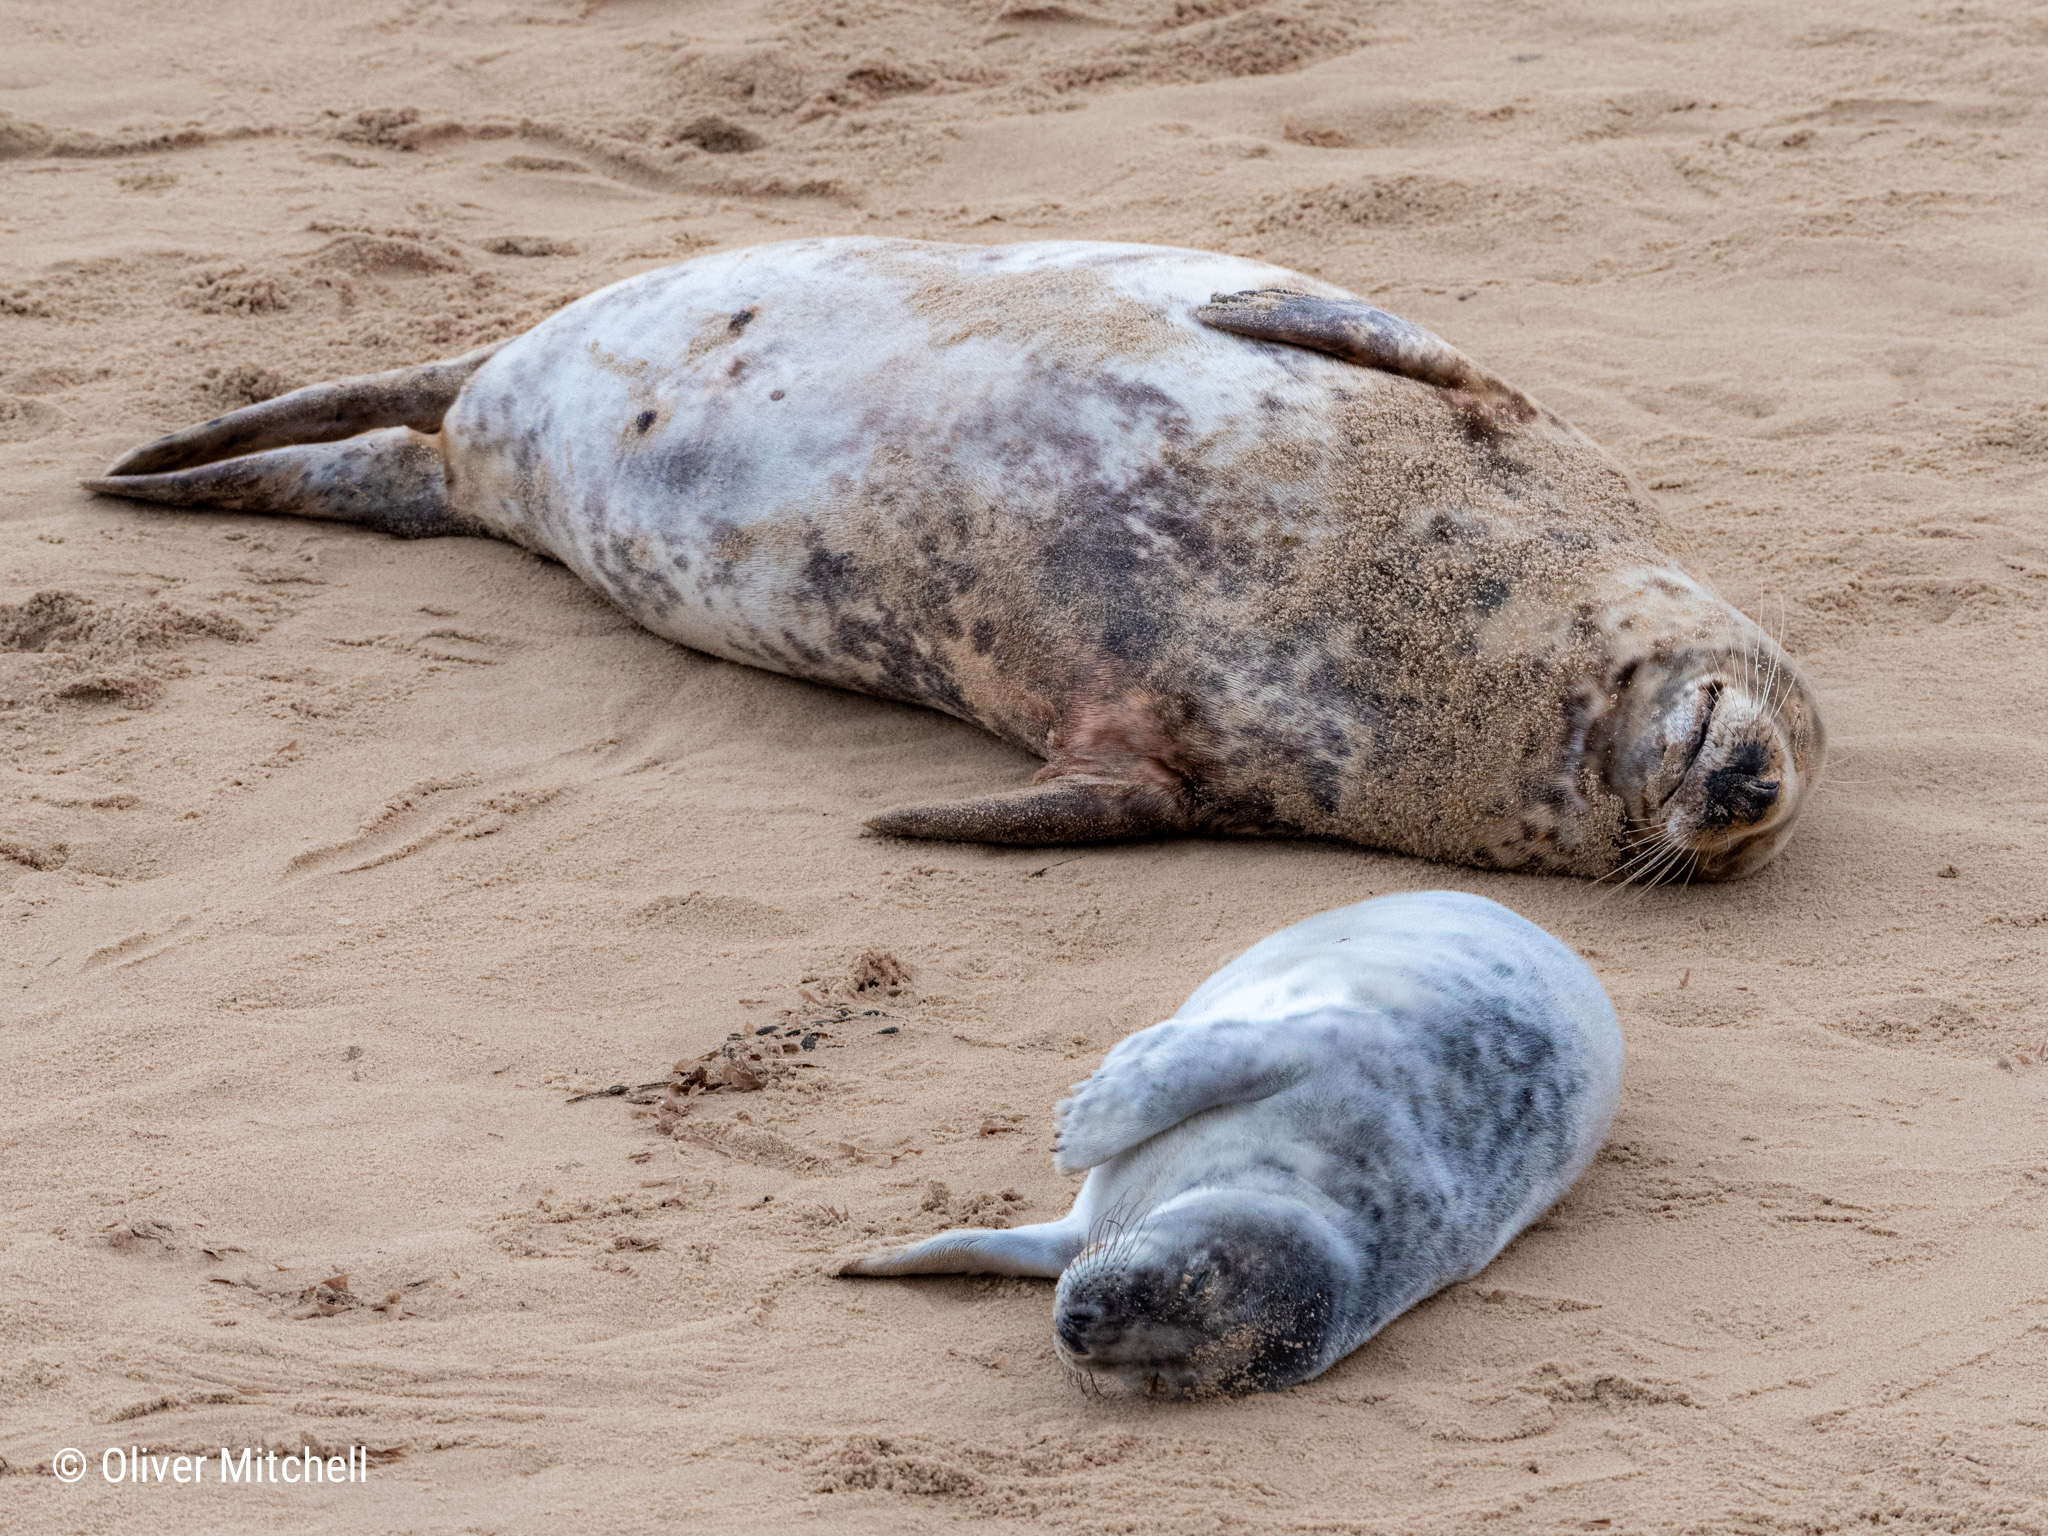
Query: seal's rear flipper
[[322, 413], [1360, 333], [1058, 811], [393, 481], [1042, 1251]]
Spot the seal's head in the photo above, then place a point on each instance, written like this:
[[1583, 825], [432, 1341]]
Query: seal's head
[[1712, 745], [1215, 1291]]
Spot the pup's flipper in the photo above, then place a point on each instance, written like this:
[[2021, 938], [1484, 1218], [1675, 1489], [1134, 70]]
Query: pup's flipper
[[1042, 1251]]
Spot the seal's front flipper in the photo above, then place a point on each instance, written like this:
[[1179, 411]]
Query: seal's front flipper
[[1042, 1251], [1161, 1076], [393, 481], [1360, 333], [1058, 811]]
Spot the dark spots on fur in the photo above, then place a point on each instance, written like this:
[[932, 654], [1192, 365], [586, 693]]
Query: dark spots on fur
[[685, 468], [1322, 772], [1489, 437], [775, 394], [984, 635], [1490, 594], [1146, 403], [642, 422], [1131, 632], [800, 647], [740, 321], [878, 623], [1477, 421], [1126, 553], [831, 577], [730, 545], [634, 582]]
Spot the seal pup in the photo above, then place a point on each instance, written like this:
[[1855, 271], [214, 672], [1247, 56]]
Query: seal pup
[[1232, 549], [1354, 1113]]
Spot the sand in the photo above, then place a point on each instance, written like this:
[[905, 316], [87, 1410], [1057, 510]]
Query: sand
[[331, 866]]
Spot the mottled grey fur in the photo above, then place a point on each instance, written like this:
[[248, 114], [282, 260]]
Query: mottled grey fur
[[1353, 1114], [1235, 551]]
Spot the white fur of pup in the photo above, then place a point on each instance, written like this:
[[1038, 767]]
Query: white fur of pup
[[1353, 1114]]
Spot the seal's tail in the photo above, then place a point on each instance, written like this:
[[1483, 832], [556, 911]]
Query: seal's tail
[[357, 450]]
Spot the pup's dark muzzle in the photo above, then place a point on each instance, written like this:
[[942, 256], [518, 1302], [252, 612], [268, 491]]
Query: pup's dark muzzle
[[1075, 1322]]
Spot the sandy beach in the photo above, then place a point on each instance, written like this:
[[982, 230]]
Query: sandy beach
[[335, 869]]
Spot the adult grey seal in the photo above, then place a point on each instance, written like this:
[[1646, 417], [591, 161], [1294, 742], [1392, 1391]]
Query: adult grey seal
[[1276, 562], [1351, 1115]]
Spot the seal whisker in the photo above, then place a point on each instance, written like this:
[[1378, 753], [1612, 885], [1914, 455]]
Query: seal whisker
[[1622, 879], [1648, 846], [1658, 868], [1111, 1234], [1640, 834], [1692, 868], [1770, 703], [1651, 867], [1644, 837], [1665, 873], [1083, 1381], [1603, 896]]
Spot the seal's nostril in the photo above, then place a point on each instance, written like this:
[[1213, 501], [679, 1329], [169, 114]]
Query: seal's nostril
[[1734, 797], [1073, 1324]]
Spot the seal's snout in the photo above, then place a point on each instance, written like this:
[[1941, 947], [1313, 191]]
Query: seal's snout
[[1076, 1321], [1712, 754], [1219, 1292], [1739, 793]]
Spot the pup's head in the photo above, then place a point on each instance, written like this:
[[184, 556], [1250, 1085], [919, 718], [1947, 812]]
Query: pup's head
[[1213, 1292]]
